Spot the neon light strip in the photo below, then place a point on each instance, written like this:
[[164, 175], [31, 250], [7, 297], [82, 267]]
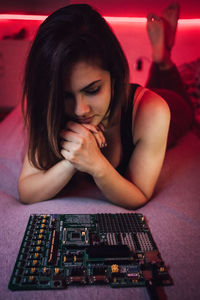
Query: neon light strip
[[22, 17], [125, 20], [109, 19], [143, 20]]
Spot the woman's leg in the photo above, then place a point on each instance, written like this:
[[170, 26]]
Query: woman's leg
[[164, 77], [167, 79]]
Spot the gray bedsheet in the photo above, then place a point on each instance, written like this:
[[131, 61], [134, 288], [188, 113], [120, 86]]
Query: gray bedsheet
[[173, 216]]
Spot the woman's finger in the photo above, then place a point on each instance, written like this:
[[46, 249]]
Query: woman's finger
[[102, 128], [69, 136], [75, 130], [101, 139], [91, 127], [66, 145], [97, 133]]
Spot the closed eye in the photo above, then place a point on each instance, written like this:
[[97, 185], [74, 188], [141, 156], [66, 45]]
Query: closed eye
[[93, 91]]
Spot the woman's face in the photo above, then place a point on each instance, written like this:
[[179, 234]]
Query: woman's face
[[87, 93]]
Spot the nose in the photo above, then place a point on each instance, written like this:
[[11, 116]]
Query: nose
[[81, 108]]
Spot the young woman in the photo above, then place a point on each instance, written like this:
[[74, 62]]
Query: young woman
[[83, 116]]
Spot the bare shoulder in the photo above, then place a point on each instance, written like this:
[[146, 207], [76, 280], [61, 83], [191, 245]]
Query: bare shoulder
[[152, 118]]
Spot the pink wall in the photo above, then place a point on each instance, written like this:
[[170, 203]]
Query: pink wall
[[135, 42], [189, 9], [140, 8], [132, 36]]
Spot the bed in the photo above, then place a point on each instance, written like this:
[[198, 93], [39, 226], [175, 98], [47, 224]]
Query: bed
[[173, 216]]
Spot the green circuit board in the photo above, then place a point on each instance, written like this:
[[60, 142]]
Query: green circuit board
[[59, 250]]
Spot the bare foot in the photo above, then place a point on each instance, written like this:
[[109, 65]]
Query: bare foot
[[156, 33], [170, 16]]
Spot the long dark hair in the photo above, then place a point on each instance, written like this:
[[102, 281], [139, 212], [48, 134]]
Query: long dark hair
[[70, 34]]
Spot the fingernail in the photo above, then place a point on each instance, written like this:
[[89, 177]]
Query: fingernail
[[103, 145]]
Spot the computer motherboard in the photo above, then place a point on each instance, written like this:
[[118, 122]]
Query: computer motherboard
[[59, 250]]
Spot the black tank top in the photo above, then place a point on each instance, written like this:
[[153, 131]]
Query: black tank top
[[126, 132]]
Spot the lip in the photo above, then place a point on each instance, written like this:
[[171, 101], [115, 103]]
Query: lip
[[86, 120]]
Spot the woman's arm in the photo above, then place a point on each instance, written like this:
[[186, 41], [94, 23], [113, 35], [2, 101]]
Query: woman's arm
[[118, 189], [36, 185], [150, 130]]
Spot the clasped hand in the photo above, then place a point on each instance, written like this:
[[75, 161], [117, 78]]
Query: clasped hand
[[81, 144]]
